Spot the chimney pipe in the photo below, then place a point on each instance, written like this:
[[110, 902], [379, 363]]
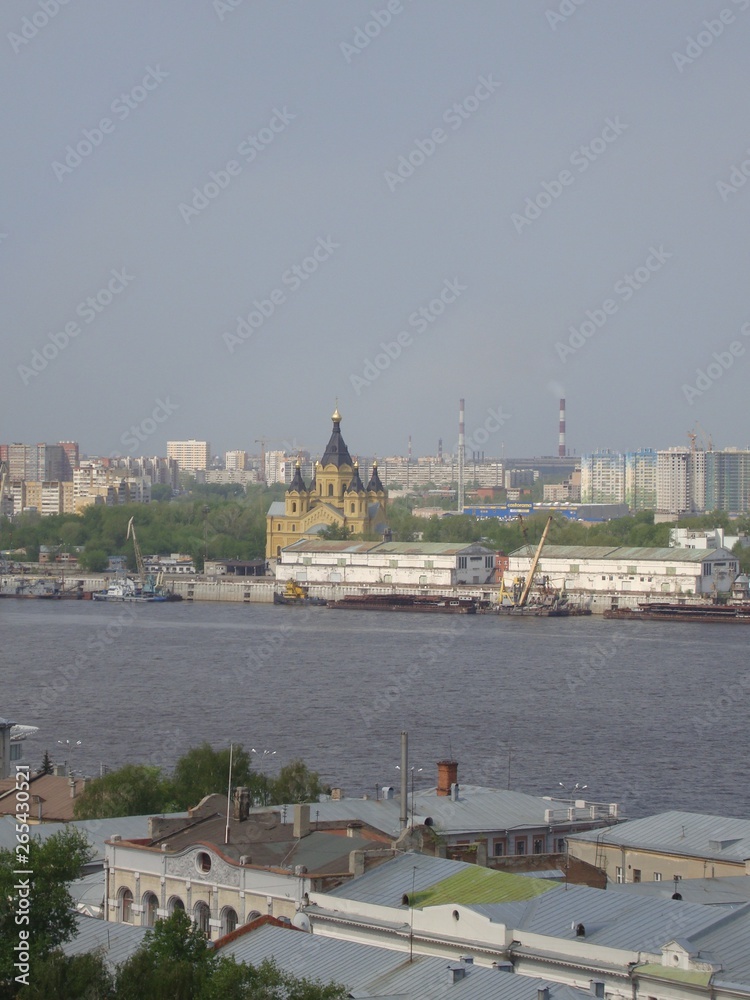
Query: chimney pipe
[[461, 455], [447, 776], [404, 817], [561, 437]]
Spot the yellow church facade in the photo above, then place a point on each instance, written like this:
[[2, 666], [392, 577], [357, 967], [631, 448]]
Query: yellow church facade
[[336, 496]]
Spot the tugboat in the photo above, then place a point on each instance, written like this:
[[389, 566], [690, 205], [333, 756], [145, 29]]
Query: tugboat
[[146, 591]]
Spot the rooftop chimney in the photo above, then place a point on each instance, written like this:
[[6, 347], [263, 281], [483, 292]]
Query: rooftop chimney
[[301, 826], [447, 776], [561, 438], [241, 803], [404, 812]]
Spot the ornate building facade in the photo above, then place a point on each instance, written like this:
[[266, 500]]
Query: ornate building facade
[[336, 496]]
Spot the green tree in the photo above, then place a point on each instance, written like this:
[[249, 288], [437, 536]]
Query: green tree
[[41, 900], [133, 790], [295, 783], [203, 771], [93, 560], [70, 977], [161, 492], [335, 533], [175, 962], [46, 767]]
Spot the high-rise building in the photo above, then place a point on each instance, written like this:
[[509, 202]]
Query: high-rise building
[[640, 479], [235, 461], [190, 455], [680, 481], [603, 477], [728, 480]]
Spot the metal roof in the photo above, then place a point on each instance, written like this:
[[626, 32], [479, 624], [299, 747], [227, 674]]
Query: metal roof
[[729, 941], [624, 553], [729, 890], [387, 884], [388, 548], [477, 809], [721, 838], [117, 942], [610, 919], [371, 971]]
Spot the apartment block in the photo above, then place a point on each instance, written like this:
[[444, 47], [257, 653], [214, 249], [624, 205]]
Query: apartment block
[[190, 455]]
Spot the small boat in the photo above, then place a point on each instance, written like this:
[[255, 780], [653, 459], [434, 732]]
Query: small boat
[[297, 596], [126, 589], [407, 602]]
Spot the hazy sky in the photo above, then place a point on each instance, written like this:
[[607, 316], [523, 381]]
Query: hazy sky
[[512, 169]]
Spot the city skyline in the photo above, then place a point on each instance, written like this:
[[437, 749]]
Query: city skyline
[[234, 217]]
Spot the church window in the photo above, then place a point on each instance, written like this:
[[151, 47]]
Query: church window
[[294, 508], [330, 489], [294, 527], [353, 506]]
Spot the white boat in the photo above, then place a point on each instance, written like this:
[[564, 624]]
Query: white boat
[[126, 589]]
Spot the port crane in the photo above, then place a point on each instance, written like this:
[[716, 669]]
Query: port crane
[[534, 563], [138, 556]]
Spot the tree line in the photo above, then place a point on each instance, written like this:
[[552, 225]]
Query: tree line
[[143, 789], [208, 522]]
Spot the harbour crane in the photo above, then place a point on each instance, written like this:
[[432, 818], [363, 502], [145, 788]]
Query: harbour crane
[[534, 563], [138, 556]]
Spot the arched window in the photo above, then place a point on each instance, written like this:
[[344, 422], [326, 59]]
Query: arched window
[[228, 920], [278, 552], [175, 903], [201, 916], [294, 507], [353, 508], [125, 905], [252, 915], [330, 489], [150, 903], [294, 527]]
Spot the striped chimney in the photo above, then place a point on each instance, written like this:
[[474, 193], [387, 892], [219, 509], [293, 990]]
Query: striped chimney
[[561, 438]]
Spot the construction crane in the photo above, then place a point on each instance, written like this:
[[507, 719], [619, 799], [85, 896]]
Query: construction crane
[[525, 533], [534, 563], [138, 556]]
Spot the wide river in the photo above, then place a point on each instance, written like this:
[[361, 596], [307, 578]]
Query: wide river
[[651, 715]]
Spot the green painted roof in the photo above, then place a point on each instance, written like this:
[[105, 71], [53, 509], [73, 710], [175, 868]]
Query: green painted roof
[[482, 885], [701, 978]]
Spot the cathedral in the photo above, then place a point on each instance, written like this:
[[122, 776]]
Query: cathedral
[[336, 495]]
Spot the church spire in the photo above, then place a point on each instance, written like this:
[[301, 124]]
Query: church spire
[[375, 486], [336, 452]]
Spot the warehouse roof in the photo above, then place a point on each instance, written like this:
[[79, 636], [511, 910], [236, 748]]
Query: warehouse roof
[[388, 548], [721, 838], [623, 553]]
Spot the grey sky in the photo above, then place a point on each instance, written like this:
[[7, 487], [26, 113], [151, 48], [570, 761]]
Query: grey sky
[[204, 77]]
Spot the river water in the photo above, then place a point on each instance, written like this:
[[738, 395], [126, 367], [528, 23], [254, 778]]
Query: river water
[[651, 715]]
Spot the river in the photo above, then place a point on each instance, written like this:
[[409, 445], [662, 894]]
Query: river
[[651, 715]]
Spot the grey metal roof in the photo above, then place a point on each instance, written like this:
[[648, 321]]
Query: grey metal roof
[[96, 830], [728, 943], [615, 920], [277, 509], [387, 884], [623, 553], [477, 809], [369, 971], [729, 890], [722, 838], [117, 942]]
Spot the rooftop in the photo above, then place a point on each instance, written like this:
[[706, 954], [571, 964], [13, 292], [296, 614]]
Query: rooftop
[[721, 838], [623, 553]]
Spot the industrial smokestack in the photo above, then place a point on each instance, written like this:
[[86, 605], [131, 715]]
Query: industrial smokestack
[[561, 439], [461, 455], [404, 817], [410, 449], [440, 450]]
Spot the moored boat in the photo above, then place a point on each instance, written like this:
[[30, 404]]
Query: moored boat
[[663, 611], [407, 602]]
